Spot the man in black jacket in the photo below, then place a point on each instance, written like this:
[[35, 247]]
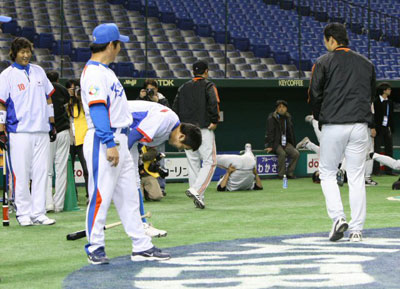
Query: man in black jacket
[[280, 139], [59, 149], [341, 91], [384, 123], [197, 102]]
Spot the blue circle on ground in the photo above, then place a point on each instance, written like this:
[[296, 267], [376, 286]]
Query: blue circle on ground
[[294, 261]]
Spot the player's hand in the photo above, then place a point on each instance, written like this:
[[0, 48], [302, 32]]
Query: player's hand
[[373, 132], [255, 170], [231, 169], [113, 156], [142, 93], [53, 134], [3, 141], [268, 150], [212, 126]]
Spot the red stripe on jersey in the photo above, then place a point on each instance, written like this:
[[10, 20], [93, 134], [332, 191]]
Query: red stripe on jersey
[[51, 93], [97, 101], [146, 137]]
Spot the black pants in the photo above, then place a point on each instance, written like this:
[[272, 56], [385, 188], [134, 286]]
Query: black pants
[[78, 150], [383, 137]]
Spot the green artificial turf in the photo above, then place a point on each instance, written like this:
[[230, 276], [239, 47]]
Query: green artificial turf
[[39, 257]]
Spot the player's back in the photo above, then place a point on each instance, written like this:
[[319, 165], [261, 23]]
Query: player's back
[[348, 89]]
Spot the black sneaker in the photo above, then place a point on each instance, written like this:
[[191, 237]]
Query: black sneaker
[[338, 228], [340, 177], [98, 257], [150, 254], [370, 182]]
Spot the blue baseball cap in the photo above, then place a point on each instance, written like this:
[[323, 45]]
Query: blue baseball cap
[[5, 18], [108, 32]]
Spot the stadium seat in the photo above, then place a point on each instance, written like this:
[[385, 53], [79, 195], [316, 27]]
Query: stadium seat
[[81, 54], [44, 40]]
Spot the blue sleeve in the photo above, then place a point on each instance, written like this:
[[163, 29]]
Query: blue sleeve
[[134, 136], [101, 121]]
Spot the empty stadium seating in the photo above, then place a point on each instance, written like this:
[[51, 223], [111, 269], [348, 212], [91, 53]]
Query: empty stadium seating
[[263, 36]]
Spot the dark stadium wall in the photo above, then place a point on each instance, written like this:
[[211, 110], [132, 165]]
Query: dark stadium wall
[[245, 111]]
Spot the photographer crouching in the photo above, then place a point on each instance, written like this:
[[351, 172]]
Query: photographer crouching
[[150, 93], [150, 171]]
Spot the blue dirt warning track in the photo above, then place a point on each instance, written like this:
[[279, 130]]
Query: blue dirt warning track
[[297, 261]]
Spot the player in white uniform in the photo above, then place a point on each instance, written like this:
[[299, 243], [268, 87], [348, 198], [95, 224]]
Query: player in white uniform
[[241, 172], [153, 124], [28, 116], [342, 87], [109, 163]]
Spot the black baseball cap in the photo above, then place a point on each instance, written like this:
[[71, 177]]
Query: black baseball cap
[[281, 101], [199, 67]]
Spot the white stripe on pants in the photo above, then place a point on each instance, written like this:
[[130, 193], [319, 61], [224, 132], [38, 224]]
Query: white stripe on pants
[[59, 151], [350, 140], [29, 153], [200, 176], [116, 184], [387, 161]]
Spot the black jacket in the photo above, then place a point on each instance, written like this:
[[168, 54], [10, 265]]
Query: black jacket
[[197, 102], [342, 88], [381, 110], [60, 98], [273, 136]]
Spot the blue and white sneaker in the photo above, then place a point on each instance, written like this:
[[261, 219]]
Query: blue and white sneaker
[[98, 257], [150, 254]]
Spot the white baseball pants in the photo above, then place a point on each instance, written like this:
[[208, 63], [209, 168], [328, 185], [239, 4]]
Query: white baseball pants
[[29, 153], [369, 165], [108, 183], [315, 125], [350, 140], [312, 147], [240, 162], [59, 151], [200, 175], [387, 161]]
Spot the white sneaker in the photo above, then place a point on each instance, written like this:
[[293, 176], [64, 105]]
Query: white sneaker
[[309, 118], [25, 223], [338, 228], [153, 232], [44, 220], [197, 199], [303, 143], [50, 208], [355, 236], [247, 147]]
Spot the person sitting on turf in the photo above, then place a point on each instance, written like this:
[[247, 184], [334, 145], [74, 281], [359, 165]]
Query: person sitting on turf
[[241, 172]]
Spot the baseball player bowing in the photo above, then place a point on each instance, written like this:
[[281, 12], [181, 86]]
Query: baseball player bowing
[[341, 91], [27, 115], [105, 148], [154, 124]]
